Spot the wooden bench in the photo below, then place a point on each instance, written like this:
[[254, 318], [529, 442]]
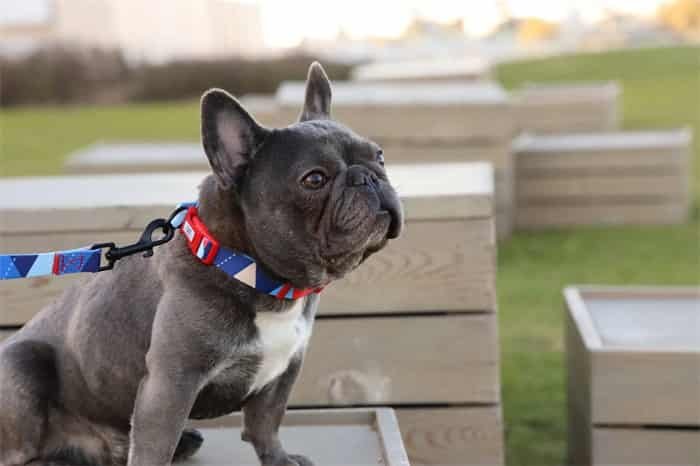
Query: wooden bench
[[633, 375], [414, 328], [563, 108], [602, 178]]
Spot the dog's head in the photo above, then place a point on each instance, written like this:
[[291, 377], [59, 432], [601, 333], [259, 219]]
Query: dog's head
[[314, 197]]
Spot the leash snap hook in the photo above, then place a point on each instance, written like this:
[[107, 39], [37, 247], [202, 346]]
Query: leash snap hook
[[145, 244]]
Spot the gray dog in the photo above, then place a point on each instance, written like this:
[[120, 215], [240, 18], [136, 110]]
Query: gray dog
[[110, 372]]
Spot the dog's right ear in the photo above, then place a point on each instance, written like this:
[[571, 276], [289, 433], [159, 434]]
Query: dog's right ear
[[230, 136], [317, 101]]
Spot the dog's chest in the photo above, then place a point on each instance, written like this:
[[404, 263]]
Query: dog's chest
[[280, 337]]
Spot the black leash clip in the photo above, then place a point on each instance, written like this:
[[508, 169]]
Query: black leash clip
[[145, 244]]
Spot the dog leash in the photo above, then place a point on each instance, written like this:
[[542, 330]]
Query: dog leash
[[200, 242]]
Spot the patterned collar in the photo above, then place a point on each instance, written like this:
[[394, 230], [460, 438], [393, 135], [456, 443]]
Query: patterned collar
[[235, 264]]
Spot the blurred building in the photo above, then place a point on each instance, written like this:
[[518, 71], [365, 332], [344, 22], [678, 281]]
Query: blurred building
[[150, 31]]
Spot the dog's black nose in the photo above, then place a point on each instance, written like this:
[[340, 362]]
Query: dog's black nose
[[359, 176]]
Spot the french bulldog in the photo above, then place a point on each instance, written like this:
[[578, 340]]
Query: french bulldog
[[110, 372]]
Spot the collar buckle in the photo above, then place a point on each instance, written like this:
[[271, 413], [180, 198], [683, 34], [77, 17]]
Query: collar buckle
[[199, 240]]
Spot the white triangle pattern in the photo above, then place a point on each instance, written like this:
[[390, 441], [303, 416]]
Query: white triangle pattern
[[247, 275]]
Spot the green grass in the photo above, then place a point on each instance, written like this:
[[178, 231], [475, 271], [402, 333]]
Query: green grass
[[661, 88], [36, 141]]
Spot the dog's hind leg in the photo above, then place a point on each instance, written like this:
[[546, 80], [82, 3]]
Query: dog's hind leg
[[28, 381]]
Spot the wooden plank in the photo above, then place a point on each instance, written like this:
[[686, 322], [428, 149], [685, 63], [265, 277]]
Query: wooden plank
[[413, 274], [650, 387], [600, 187], [533, 217], [452, 436], [431, 359], [578, 370], [104, 202], [666, 447]]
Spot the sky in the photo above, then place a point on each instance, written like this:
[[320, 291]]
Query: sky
[[287, 22]]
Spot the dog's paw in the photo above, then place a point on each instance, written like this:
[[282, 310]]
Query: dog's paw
[[189, 443]]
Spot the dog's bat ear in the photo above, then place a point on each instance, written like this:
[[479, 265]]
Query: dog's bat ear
[[230, 136], [317, 103]]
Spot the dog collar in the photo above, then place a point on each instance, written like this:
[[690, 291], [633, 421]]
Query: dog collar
[[235, 264]]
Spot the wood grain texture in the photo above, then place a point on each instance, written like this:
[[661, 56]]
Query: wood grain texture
[[452, 436], [649, 447], [645, 387], [414, 274], [561, 215], [430, 359]]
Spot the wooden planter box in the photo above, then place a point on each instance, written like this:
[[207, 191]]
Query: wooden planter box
[[420, 335], [633, 375], [602, 179], [561, 108]]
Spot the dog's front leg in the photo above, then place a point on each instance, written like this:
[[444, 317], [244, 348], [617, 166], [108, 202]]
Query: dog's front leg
[[175, 373], [262, 416], [163, 404]]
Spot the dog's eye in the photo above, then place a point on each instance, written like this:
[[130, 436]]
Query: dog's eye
[[380, 157], [314, 180]]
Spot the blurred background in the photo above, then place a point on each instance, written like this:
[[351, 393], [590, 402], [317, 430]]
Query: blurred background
[[75, 72]]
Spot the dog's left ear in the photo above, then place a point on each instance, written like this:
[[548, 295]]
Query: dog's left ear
[[230, 136], [317, 103]]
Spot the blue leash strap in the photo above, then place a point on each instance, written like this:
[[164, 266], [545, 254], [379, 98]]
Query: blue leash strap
[[87, 259], [49, 263]]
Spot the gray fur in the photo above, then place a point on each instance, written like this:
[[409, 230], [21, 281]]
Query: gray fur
[[110, 372]]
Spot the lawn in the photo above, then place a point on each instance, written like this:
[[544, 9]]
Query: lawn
[[661, 88]]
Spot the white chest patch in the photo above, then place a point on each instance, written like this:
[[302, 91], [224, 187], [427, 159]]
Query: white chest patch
[[280, 336]]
